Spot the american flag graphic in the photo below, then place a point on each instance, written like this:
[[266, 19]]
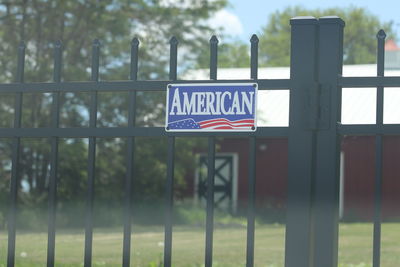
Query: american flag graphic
[[215, 124], [184, 124]]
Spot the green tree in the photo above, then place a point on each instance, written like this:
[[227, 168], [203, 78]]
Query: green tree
[[76, 23], [113, 22], [233, 54], [359, 34]]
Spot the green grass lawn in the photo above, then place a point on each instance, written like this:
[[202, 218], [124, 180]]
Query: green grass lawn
[[355, 246]]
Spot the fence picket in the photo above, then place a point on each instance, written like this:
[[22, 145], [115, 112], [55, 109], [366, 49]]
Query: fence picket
[[91, 157], [16, 151], [381, 35], [54, 158]]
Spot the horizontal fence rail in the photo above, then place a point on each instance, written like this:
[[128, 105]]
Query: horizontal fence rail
[[119, 86], [132, 131], [369, 129], [369, 81]]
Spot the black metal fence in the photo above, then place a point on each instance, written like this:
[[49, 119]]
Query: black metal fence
[[314, 142]]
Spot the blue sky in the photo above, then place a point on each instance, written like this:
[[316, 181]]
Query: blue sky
[[245, 17]]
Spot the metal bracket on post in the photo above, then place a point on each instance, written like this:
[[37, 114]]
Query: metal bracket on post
[[324, 107], [318, 108], [312, 108]]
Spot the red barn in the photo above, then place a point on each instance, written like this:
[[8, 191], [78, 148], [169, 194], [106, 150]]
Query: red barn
[[357, 157]]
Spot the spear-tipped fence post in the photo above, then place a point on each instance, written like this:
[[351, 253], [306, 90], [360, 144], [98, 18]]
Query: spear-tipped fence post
[[54, 158], [173, 60], [381, 36], [16, 150], [134, 58], [91, 157], [213, 57], [126, 250], [254, 57], [169, 186]]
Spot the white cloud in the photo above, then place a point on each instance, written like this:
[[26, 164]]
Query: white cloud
[[181, 3], [228, 21]]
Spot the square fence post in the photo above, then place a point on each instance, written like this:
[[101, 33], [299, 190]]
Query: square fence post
[[327, 175], [302, 138]]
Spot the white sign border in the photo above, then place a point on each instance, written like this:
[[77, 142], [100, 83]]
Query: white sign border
[[205, 129]]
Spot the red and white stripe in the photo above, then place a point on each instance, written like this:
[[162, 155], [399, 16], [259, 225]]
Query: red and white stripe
[[224, 124]]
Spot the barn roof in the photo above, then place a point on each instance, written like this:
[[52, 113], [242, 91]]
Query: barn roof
[[358, 104], [391, 45]]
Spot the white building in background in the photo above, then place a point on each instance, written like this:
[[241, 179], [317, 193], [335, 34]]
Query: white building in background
[[358, 104]]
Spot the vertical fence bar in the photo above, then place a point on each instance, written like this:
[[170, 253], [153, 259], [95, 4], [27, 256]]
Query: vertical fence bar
[[252, 165], [15, 160], [54, 158], [327, 167], [169, 187], [210, 201], [213, 57], [169, 202], [173, 60], [254, 57], [91, 158], [298, 244], [251, 202], [378, 153], [211, 164], [126, 253]]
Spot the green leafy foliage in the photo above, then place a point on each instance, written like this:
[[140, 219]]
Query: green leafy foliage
[[359, 34], [76, 24], [233, 54], [114, 22]]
